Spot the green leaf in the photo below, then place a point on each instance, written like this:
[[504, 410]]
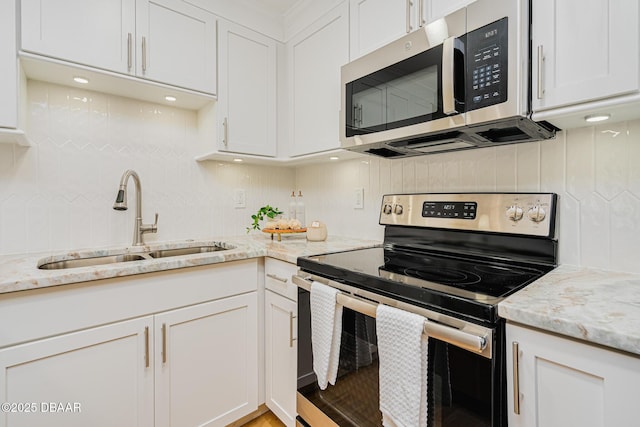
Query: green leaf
[[259, 216]]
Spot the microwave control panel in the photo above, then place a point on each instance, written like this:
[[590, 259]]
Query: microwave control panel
[[487, 65]]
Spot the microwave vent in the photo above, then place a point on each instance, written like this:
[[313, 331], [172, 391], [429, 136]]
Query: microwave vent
[[423, 141], [504, 135], [385, 152]]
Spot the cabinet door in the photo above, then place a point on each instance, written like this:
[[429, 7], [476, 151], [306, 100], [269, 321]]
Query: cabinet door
[[8, 66], [374, 23], [247, 94], [435, 9], [563, 382], [97, 377], [281, 356], [316, 55], [176, 44], [89, 32], [207, 363], [583, 52]]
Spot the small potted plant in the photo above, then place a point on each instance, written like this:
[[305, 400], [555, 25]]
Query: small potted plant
[[265, 211]]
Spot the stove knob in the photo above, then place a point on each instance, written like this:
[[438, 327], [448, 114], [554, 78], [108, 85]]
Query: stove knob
[[515, 213], [536, 214], [386, 209], [397, 209]]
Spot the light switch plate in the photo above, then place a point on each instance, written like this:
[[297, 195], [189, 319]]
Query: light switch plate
[[358, 198], [239, 199]]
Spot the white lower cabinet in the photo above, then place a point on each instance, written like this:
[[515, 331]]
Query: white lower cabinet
[[562, 382], [206, 363], [281, 345], [186, 356], [97, 377]]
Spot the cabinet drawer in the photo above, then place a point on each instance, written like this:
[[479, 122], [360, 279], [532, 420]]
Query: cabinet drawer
[[278, 278]]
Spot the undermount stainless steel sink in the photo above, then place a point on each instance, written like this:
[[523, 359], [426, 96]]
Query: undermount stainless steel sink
[[90, 261], [164, 253]]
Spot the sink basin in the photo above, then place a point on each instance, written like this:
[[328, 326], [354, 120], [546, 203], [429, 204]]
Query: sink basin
[[164, 253], [88, 262]]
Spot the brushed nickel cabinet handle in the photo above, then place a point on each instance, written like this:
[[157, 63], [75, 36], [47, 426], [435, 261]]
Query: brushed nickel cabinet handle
[[540, 71], [144, 54], [275, 277], [291, 338], [409, 4], [516, 378], [129, 51], [164, 343], [421, 13], [225, 133], [146, 346]]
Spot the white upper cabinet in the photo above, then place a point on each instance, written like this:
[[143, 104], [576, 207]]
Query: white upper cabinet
[[11, 84], [167, 41], [316, 55], [435, 9], [88, 32], [246, 111], [177, 44], [8, 67], [374, 23], [583, 51]]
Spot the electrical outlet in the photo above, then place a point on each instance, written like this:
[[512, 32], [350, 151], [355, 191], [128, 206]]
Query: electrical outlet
[[358, 198], [239, 199]]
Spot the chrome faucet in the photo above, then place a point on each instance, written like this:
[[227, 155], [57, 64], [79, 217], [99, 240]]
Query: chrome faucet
[[121, 205]]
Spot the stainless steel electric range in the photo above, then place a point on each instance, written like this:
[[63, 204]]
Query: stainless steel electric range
[[450, 258]]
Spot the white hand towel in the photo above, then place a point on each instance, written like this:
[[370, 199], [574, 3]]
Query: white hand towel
[[403, 354], [326, 332]]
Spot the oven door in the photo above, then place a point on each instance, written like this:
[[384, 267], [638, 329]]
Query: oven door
[[465, 387]]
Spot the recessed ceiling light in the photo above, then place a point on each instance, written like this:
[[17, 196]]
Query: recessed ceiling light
[[81, 80], [334, 158], [237, 160], [597, 118], [170, 98]]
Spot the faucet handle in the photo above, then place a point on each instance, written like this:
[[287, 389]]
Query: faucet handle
[[154, 227], [150, 228]]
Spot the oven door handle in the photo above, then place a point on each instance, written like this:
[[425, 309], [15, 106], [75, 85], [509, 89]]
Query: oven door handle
[[440, 332]]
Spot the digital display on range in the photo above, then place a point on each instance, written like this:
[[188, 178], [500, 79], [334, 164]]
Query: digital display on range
[[458, 210]]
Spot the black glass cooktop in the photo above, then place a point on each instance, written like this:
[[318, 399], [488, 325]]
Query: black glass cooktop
[[454, 285]]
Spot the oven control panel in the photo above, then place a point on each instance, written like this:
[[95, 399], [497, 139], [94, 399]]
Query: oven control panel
[[515, 213]]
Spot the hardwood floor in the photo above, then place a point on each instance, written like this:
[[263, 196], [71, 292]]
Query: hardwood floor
[[265, 420]]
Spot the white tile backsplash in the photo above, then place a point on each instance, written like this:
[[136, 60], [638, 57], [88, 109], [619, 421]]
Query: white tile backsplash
[[594, 171], [58, 194]]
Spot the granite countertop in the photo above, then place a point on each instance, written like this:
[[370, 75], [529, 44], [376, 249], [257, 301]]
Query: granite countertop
[[20, 272], [597, 306]]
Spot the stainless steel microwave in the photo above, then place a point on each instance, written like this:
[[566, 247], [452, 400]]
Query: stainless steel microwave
[[463, 81]]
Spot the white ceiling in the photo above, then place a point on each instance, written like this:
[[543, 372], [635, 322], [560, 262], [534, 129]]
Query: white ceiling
[[277, 6]]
